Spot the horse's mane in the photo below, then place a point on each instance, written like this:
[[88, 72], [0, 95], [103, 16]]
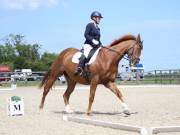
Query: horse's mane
[[123, 38]]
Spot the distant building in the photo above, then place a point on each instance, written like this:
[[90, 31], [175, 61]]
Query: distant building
[[138, 67], [138, 71], [131, 73]]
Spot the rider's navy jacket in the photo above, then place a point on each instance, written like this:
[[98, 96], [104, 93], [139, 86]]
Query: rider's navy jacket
[[92, 32]]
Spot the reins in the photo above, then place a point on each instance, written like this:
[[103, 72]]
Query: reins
[[125, 57], [111, 50]]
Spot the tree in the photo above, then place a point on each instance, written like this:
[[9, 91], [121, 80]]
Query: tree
[[13, 39], [20, 63], [7, 53], [18, 54], [47, 59]]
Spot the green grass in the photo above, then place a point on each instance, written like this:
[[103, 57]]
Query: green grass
[[151, 81], [27, 83], [164, 81]]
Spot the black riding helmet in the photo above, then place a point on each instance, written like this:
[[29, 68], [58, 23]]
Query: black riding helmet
[[96, 14]]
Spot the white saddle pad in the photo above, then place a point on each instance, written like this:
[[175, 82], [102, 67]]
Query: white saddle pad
[[75, 58]]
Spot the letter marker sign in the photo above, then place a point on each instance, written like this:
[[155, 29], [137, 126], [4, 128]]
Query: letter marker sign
[[15, 106]]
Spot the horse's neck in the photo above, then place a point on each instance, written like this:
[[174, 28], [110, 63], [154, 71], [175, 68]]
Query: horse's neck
[[121, 50]]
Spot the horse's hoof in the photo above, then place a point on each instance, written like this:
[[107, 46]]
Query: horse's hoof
[[89, 114], [126, 112], [40, 107], [68, 109]]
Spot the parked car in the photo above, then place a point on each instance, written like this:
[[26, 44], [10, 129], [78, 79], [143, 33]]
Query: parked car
[[5, 73], [20, 76], [34, 77], [62, 79], [5, 76]]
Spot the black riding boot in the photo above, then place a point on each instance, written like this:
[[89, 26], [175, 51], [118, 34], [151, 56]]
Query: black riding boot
[[81, 65]]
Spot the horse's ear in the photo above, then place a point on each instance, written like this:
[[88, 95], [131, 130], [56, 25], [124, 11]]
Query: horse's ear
[[138, 38]]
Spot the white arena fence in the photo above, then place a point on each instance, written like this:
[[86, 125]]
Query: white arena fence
[[25, 79], [151, 77], [171, 76]]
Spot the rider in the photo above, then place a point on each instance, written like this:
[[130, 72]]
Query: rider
[[92, 42]]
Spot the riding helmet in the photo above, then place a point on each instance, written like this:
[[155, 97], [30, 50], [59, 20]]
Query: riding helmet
[[96, 14]]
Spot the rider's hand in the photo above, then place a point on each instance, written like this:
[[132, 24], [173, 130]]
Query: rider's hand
[[95, 42]]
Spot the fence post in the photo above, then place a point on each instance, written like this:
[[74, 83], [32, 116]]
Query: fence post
[[179, 76], [170, 77], [161, 75], [155, 76]]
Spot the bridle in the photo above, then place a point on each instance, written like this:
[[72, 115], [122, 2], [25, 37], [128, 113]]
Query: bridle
[[129, 57]]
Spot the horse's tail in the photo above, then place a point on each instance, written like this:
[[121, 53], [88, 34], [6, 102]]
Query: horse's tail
[[45, 78], [56, 70]]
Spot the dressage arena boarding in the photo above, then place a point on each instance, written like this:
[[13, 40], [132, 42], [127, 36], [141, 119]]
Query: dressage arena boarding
[[155, 110]]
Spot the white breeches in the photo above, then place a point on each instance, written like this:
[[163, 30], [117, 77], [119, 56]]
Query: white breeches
[[87, 48]]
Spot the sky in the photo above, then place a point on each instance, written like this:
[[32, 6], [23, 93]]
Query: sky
[[59, 24]]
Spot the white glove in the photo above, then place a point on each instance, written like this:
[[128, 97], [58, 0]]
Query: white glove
[[95, 42]]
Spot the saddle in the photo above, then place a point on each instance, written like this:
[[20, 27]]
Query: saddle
[[77, 55], [90, 59]]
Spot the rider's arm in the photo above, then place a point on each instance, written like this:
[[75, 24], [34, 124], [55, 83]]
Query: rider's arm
[[87, 35]]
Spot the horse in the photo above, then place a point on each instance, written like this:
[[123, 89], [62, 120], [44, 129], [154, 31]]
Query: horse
[[103, 70]]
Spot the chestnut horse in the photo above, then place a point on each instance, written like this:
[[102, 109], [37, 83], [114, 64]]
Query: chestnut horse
[[103, 70]]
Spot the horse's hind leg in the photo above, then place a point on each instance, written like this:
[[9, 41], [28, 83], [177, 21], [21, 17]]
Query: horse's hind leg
[[112, 86], [70, 88], [46, 90], [93, 87]]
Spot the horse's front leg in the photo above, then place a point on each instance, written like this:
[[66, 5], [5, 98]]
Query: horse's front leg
[[93, 87], [112, 86]]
